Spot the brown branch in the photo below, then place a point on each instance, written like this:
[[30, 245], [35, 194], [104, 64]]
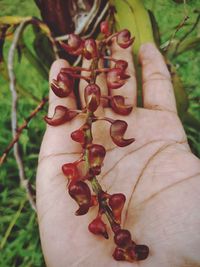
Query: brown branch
[[187, 33], [21, 128], [24, 182]]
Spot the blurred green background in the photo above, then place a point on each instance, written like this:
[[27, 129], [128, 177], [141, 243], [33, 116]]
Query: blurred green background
[[19, 238]]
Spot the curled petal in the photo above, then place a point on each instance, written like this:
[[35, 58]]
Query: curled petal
[[92, 96], [90, 49], [121, 64], [70, 170], [63, 85], [61, 115], [80, 192], [117, 131], [116, 202], [98, 227], [116, 78], [117, 104], [124, 39], [96, 156], [123, 238]]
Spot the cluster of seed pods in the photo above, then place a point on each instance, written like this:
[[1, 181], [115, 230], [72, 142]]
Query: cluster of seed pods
[[83, 172]]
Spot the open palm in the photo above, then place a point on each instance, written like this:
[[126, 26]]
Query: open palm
[[158, 174]]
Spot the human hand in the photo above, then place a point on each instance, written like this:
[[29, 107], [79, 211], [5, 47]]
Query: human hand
[[157, 173]]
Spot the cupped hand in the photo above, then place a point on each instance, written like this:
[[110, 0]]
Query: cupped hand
[[158, 174]]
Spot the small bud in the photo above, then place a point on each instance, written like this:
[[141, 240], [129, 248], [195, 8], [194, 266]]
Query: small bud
[[61, 115], [117, 131], [124, 39], [74, 45], [118, 106], [63, 85], [70, 170], [104, 27], [116, 202], [92, 96], [96, 157], [80, 192], [122, 238], [90, 49], [98, 227], [116, 78]]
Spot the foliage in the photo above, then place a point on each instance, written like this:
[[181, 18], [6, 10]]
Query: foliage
[[19, 237]]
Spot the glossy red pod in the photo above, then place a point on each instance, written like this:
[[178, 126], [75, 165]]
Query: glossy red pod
[[70, 170], [92, 94], [117, 131], [80, 192], [61, 115], [124, 39], [98, 227], [117, 103], [96, 156], [63, 85], [90, 49], [116, 202]]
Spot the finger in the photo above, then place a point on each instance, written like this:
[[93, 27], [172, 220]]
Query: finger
[[129, 90], [100, 81], [54, 100], [56, 138], [158, 91]]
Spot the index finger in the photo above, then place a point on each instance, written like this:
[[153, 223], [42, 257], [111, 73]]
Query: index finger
[[158, 92]]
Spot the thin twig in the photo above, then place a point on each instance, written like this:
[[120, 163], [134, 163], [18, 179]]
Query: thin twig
[[180, 25], [21, 128], [11, 74], [187, 33]]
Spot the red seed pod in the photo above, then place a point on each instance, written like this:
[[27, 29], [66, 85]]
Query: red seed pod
[[141, 251], [63, 85], [121, 64], [118, 106], [116, 202], [104, 27], [96, 156], [116, 78], [74, 46], [70, 170], [124, 39], [98, 227], [117, 131], [92, 96], [122, 238], [61, 115], [90, 49], [80, 192]]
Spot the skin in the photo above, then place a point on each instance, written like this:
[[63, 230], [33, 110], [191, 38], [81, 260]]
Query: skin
[[158, 174]]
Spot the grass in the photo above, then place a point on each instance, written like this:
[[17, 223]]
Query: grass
[[19, 238]]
